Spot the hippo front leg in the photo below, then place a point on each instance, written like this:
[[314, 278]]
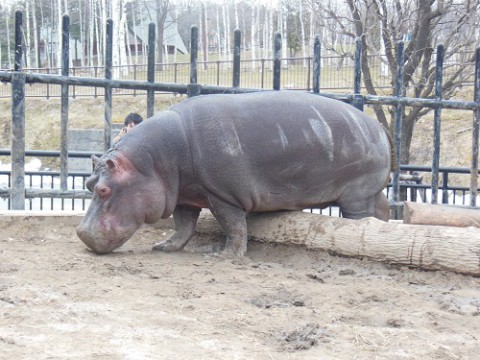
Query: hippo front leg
[[234, 223], [185, 218]]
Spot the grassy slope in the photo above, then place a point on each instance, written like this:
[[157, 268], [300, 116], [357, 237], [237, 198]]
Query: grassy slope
[[43, 126]]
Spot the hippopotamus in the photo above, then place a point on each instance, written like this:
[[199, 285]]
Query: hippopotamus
[[236, 154]]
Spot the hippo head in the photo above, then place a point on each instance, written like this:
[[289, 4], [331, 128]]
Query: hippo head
[[124, 197]]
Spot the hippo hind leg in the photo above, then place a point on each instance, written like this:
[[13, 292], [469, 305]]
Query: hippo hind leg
[[382, 207], [376, 205], [185, 218]]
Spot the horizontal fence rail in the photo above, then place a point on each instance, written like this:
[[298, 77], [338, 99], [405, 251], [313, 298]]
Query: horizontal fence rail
[[194, 82]]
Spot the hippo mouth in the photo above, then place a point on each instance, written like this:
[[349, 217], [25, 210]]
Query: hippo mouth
[[103, 243]]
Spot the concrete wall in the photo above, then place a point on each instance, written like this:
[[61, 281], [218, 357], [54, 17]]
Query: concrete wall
[[87, 140]]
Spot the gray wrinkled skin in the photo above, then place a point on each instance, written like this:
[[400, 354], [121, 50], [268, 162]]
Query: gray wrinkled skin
[[235, 154]]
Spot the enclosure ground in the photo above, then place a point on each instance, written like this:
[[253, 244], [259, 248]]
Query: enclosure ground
[[58, 300]]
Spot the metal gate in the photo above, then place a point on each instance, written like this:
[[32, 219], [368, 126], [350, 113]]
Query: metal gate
[[17, 191]]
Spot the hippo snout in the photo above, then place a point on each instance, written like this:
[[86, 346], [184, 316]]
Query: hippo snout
[[94, 243]]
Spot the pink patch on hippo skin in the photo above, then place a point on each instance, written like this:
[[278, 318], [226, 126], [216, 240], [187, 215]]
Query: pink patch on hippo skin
[[121, 168]]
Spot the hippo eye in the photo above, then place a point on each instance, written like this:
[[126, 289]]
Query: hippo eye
[[103, 191]]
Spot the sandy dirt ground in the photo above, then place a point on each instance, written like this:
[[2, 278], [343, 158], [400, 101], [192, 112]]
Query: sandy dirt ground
[[60, 301]]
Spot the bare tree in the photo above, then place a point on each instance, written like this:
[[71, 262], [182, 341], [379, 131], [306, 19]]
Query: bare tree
[[423, 24]]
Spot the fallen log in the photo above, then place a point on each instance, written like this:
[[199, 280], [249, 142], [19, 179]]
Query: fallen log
[[430, 214], [427, 247]]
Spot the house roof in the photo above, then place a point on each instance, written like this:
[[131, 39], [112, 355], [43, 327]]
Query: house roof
[[171, 35]]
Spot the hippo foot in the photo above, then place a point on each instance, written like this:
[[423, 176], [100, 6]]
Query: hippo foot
[[231, 252], [168, 246]]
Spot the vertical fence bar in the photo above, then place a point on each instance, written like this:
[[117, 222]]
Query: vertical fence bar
[[398, 124], [17, 195], [262, 85], [18, 40], [108, 88], [277, 62], [193, 89], [436, 121], [317, 51], [475, 133], [236, 58], [151, 69], [64, 104], [358, 100]]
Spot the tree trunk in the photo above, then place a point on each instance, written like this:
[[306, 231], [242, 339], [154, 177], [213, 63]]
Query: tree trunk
[[36, 36], [28, 44], [302, 31], [204, 36], [83, 24], [253, 35], [429, 214], [59, 36], [427, 247]]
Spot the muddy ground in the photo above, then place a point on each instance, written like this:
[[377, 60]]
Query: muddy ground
[[60, 301]]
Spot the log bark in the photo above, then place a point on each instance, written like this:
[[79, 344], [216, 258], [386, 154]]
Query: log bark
[[429, 214], [427, 247]]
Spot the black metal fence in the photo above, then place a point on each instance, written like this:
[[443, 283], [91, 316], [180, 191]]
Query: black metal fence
[[20, 193]]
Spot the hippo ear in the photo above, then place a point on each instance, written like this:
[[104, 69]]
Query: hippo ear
[[112, 165], [95, 161]]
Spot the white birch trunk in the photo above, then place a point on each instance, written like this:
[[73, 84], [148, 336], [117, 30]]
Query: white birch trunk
[[244, 29], [119, 55], [226, 32], [219, 36], [102, 26], [134, 20], [204, 37], [80, 52], [284, 32], [270, 39], [59, 36], [28, 45], [235, 9], [35, 36], [9, 50], [98, 33], [302, 30], [127, 44], [253, 34], [91, 33]]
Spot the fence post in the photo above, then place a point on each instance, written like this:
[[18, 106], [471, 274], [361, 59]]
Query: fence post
[[193, 89], [108, 88], [445, 188], [74, 95], [96, 75], [358, 100], [236, 58], [151, 68], [475, 133], [135, 78], [398, 128], [64, 104], [317, 51], [436, 121], [277, 63], [17, 195]]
